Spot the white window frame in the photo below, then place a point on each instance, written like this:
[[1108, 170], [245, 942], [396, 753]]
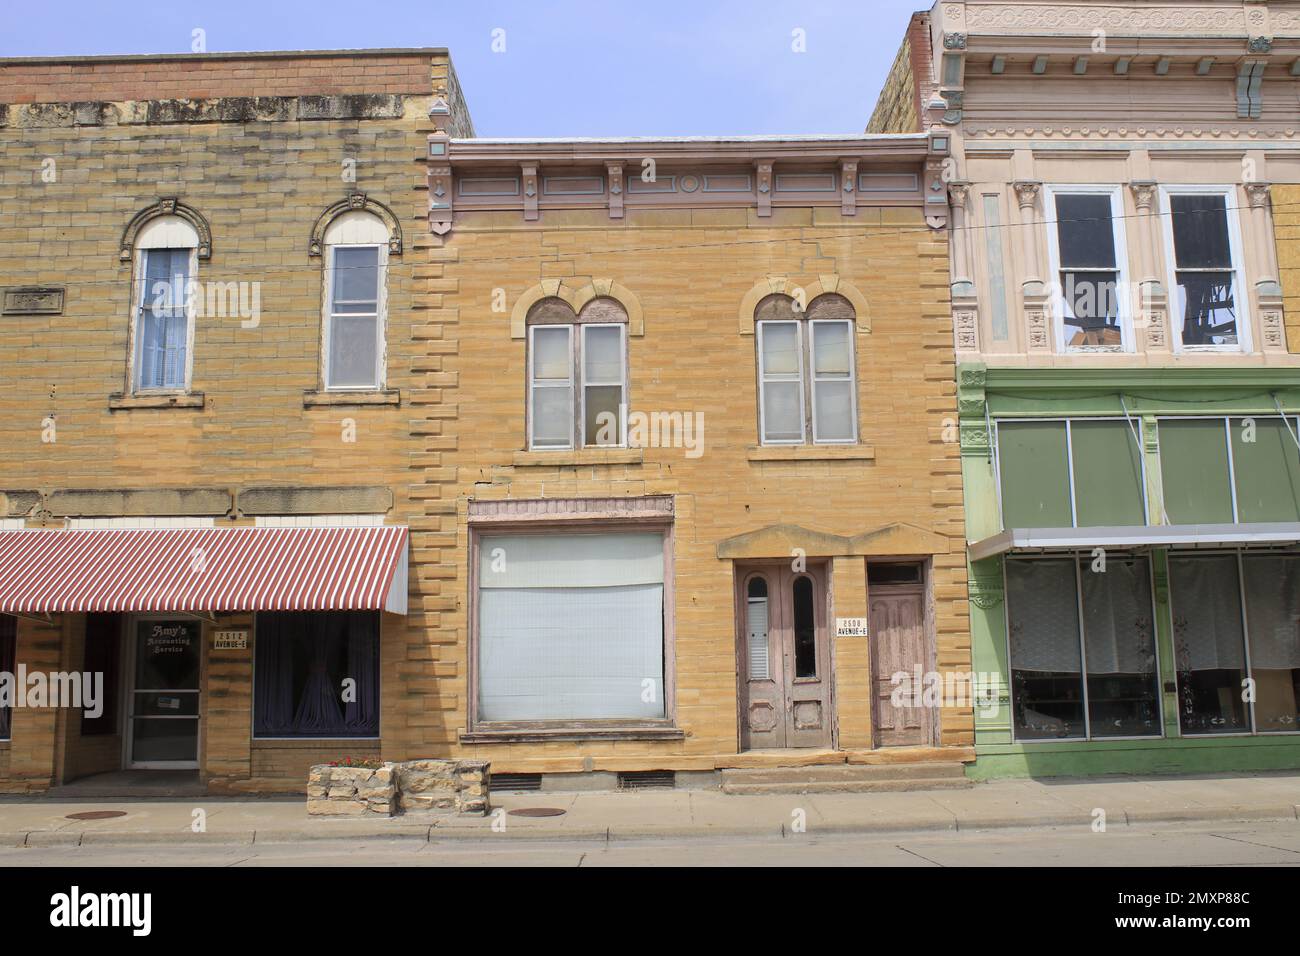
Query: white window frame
[[851, 327], [174, 238], [1241, 296], [570, 383], [1122, 290], [580, 400], [381, 317], [764, 376]]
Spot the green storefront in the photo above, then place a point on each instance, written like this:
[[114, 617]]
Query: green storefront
[[1134, 545]]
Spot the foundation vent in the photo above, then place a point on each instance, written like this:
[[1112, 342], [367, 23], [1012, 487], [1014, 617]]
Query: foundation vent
[[516, 781], [647, 780]]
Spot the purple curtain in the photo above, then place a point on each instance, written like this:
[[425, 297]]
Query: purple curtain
[[320, 708], [362, 715], [302, 660], [273, 679], [8, 640]]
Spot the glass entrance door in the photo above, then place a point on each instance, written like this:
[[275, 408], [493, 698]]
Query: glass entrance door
[[165, 694]]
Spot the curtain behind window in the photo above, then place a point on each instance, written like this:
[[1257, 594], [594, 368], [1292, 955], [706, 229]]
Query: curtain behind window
[[8, 653], [301, 661]]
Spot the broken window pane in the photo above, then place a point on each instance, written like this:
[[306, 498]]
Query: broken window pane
[[1089, 274]]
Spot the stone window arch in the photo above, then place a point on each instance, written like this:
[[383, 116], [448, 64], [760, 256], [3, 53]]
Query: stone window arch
[[167, 207], [356, 202]]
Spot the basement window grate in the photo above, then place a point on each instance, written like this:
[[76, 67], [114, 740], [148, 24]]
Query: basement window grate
[[516, 781], [647, 780]]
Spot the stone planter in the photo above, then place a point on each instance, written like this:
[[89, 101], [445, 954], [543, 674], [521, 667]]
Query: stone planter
[[451, 786], [351, 791], [438, 786]]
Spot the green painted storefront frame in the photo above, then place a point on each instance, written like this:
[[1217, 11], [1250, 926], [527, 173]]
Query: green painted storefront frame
[[985, 395]]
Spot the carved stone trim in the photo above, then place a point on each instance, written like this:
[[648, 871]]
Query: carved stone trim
[[528, 171], [986, 590], [1274, 330], [1144, 194], [440, 198], [1027, 193], [763, 174], [355, 202], [167, 206], [1257, 194], [965, 323], [848, 197], [614, 172]]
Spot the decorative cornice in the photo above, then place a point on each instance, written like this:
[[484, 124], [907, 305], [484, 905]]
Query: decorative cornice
[[167, 206], [1173, 19]]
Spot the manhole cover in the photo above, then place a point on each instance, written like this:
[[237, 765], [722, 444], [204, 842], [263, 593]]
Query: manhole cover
[[96, 815], [536, 812]]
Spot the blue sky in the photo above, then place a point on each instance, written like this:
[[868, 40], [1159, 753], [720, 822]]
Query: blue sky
[[570, 68]]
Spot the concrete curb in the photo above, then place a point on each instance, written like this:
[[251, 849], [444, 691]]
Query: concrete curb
[[432, 833]]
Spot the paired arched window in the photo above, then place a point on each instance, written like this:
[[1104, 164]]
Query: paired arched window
[[355, 249], [166, 259], [577, 374], [807, 381]]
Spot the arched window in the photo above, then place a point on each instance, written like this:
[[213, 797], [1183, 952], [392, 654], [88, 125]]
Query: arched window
[[577, 374], [807, 381], [166, 253], [356, 247]]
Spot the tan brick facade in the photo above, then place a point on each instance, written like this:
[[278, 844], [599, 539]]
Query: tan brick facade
[[89, 145], [260, 186], [689, 270], [1286, 223]]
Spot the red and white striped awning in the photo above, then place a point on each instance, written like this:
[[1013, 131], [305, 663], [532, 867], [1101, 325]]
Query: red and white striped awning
[[203, 569]]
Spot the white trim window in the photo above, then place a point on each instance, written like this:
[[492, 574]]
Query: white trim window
[[1207, 281], [550, 386], [807, 381], [163, 318], [1088, 260], [604, 385], [356, 265], [577, 384]]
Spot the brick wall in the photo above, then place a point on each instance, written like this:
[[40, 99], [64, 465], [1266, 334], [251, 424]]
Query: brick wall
[[693, 357], [899, 106], [1286, 225], [261, 187], [192, 76]]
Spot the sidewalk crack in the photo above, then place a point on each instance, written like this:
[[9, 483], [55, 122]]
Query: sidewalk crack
[[919, 856]]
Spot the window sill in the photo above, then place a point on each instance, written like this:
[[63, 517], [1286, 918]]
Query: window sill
[[525, 736], [121, 402], [580, 456], [326, 399], [314, 743], [811, 453]]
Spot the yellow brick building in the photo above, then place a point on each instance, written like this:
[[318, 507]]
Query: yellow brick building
[[332, 431], [694, 253]]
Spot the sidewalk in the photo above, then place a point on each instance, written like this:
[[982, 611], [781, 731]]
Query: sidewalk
[[1127, 801]]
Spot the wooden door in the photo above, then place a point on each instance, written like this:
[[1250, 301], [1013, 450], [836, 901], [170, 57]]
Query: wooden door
[[784, 657], [898, 644]]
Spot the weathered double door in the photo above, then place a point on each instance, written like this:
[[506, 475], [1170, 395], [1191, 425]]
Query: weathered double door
[[784, 657]]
